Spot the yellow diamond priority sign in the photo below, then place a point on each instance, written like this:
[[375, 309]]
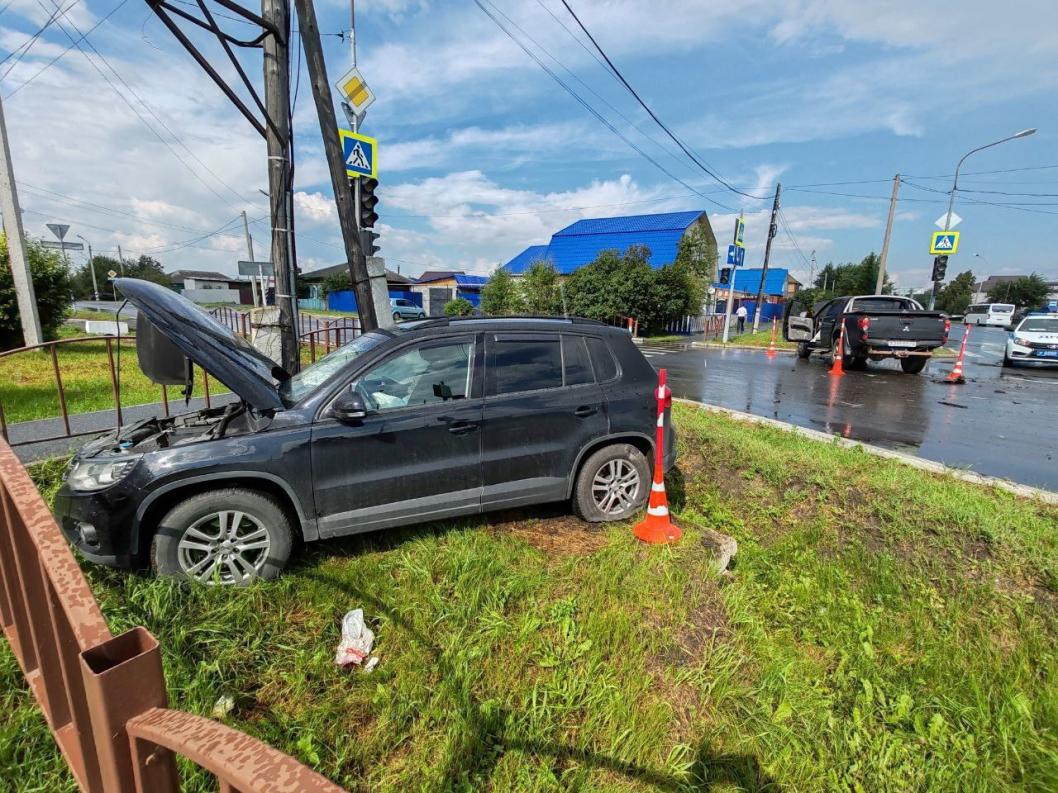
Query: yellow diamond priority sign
[[355, 91], [944, 242]]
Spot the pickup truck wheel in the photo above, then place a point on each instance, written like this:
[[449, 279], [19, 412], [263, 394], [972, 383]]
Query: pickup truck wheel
[[612, 484], [846, 359], [229, 536], [858, 363], [914, 364], [803, 350]]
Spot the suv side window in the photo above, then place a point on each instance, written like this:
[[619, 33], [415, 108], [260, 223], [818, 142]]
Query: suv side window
[[422, 375], [602, 359], [575, 358], [526, 363]]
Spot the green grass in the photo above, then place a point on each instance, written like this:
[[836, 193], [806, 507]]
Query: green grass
[[761, 338], [882, 630]]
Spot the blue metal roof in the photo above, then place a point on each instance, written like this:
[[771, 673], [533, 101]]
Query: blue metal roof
[[520, 263], [470, 280], [749, 281], [582, 242]]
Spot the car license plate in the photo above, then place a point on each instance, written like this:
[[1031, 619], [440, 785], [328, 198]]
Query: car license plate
[[901, 343], [1047, 353]]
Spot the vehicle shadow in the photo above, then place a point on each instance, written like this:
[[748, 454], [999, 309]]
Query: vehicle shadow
[[492, 737]]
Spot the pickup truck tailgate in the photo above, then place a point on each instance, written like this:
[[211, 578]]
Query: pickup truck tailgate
[[910, 329]]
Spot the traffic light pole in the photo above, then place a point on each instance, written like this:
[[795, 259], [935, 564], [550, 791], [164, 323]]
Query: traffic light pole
[[731, 285], [343, 193]]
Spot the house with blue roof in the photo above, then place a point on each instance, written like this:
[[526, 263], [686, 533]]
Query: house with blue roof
[[582, 242]]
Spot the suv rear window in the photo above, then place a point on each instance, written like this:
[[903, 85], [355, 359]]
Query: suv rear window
[[602, 360], [527, 364], [575, 356]]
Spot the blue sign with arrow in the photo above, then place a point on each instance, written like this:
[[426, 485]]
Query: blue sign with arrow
[[736, 255]]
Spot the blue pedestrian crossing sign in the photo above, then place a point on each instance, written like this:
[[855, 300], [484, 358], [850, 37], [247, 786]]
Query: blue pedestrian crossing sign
[[944, 242], [736, 255], [360, 153]]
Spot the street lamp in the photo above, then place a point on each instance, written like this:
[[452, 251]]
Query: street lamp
[[91, 268], [955, 186]]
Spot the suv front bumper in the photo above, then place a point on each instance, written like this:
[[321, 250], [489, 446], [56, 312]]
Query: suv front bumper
[[99, 524]]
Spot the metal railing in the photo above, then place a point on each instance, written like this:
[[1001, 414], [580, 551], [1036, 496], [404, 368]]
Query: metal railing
[[104, 696], [707, 323]]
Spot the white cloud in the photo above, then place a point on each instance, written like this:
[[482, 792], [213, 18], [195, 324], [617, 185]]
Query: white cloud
[[316, 206]]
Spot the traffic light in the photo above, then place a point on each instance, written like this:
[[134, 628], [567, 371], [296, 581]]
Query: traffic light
[[725, 275], [366, 215], [368, 239], [940, 264]]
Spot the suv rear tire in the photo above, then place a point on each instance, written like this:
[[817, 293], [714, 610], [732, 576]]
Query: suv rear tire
[[228, 536], [613, 484]]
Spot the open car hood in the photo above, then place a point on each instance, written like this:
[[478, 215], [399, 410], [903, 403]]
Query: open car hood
[[251, 374]]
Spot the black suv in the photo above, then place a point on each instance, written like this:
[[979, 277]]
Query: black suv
[[435, 419]]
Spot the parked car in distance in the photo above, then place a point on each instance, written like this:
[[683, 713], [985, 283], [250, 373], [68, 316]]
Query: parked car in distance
[[876, 327], [431, 420], [998, 314], [1033, 341], [403, 309]]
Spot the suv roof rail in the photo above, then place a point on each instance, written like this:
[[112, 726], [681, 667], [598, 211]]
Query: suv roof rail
[[437, 322]]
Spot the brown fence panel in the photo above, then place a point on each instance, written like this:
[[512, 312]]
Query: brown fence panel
[[104, 696]]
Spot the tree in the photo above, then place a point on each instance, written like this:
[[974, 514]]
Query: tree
[[1025, 293], [51, 283], [852, 278], [500, 295], [697, 252], [539, 287], [337, 282], [956, 296], [460, 307], [82, 279]]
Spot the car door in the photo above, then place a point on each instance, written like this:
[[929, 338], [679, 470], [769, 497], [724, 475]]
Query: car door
[[798, 328], [416, 455], [542, 405], [827, 321]]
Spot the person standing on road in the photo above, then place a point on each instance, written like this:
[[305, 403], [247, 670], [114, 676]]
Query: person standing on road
[[741, 314]]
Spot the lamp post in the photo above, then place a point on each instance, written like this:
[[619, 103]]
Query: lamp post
[[91, 268], [955, 186]]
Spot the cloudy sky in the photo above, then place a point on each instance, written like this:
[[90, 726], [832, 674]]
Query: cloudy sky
[[483, 151]]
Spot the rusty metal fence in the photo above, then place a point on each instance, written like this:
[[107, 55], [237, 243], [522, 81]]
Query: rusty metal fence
[[104, 696], [317, 333]]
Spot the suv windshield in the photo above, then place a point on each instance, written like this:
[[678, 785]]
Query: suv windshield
[[311, 377], [1039, 325]]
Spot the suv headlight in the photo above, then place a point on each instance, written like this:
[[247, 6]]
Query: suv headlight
[[1022, 341], [85, 475]]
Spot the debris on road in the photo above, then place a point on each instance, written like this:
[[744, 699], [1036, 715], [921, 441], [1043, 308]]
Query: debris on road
[[952, 404], [357, 640]]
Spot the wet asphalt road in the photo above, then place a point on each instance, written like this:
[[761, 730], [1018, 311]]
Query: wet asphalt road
[[1002, 422]]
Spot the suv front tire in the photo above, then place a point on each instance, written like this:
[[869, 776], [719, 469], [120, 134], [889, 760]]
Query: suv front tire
[[613, 484], [229, 536]]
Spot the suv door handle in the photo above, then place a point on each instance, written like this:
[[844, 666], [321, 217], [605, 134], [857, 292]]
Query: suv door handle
[[585, 410], [461, 427]]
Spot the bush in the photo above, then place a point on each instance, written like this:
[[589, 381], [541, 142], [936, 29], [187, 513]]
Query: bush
[[500, 296], [460, 307], [540, 290], [338, 282], [51, 283]]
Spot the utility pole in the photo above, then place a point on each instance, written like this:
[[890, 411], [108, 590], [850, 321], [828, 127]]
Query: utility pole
[[343, 192], [249, 253], [277, 139], [812, 270], [731, 285], [772, 229], [91, 268], [888, 235], [121, 262], [16, 244]]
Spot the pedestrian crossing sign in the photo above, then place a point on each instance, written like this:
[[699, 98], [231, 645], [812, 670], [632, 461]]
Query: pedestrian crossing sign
[[944, 242], [360, 154]]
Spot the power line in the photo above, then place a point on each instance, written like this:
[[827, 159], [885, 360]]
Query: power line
[[52, 62], [591, 109], [617, 73], [150, 110], [22, 49], [789, 235]]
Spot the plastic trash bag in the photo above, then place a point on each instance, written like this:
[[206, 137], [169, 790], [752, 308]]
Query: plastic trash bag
[[357, 640]]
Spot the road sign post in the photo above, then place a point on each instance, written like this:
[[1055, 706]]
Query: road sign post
[[736, 254]]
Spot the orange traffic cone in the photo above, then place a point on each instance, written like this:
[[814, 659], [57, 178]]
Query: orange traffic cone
[[838, 368], [657, 526], [771, 346], [956, 375]]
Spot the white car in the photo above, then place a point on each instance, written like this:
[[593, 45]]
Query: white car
[[1034, 340]]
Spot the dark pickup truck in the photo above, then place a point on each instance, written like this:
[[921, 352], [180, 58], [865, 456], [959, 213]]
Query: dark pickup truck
[[876, 327]]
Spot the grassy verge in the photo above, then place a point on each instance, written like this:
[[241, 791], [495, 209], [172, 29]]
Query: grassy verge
[[759, 339], [883, 630]]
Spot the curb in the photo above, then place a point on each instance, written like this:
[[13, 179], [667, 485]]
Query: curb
[[709, 345], [1024, 491]]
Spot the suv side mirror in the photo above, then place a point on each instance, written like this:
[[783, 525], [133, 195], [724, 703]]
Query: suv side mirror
[[349, 407]]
